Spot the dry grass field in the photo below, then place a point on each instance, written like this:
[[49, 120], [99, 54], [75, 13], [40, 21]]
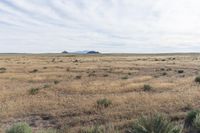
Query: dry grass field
[[61, 91]]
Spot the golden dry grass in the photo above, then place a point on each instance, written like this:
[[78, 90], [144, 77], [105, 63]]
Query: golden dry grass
[[70, 85]]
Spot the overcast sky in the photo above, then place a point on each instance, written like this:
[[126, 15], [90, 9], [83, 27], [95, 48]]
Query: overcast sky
[[102, 25]]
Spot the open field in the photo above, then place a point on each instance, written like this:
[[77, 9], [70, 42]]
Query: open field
[[61, 91]]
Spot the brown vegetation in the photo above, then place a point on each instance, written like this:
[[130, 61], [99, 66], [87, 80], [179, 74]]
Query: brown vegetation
[[59, 91]]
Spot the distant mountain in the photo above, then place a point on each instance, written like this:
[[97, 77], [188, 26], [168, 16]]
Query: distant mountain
[[64, 52], [93, 52], [82, 52]]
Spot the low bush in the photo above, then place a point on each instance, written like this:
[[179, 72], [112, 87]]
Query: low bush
[[164, 73], [56, 82], [197, 79], [154, 124], [3, 70], [34, 91], [192, 122], [20, 128], [191, 117], [78, 77], [180, 71], [196, 124], [104, 103], [147, 87]]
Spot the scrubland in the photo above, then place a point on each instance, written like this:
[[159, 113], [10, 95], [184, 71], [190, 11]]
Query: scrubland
[[74, 93]]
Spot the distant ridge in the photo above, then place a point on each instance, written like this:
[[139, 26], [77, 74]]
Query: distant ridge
[[97, 52], [82, 52], [93, 52], [64, 52]]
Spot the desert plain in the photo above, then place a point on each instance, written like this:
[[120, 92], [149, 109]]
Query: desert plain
[[61, 91]]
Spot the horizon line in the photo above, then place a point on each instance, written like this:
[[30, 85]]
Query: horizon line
[[101, 53]]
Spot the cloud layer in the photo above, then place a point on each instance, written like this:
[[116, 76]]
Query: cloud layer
[[103, 25]]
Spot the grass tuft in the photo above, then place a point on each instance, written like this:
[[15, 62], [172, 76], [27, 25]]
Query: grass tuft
[[34, 91], [154, 124], [20, 128], [104, 103], [196, 123], [191, 117], [147, 87]]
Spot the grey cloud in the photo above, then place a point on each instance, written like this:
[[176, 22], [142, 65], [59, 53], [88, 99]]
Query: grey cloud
[[104, 25]]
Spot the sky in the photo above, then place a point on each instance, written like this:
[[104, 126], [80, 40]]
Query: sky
[[108, 26]]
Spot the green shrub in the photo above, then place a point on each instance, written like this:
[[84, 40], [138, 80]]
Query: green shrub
[[197, 79], [56, 82], [20, 128], [147, 87], [104, 102], [154, 124], [34, 91], [191, 117], [192, 124], [196, 123]]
